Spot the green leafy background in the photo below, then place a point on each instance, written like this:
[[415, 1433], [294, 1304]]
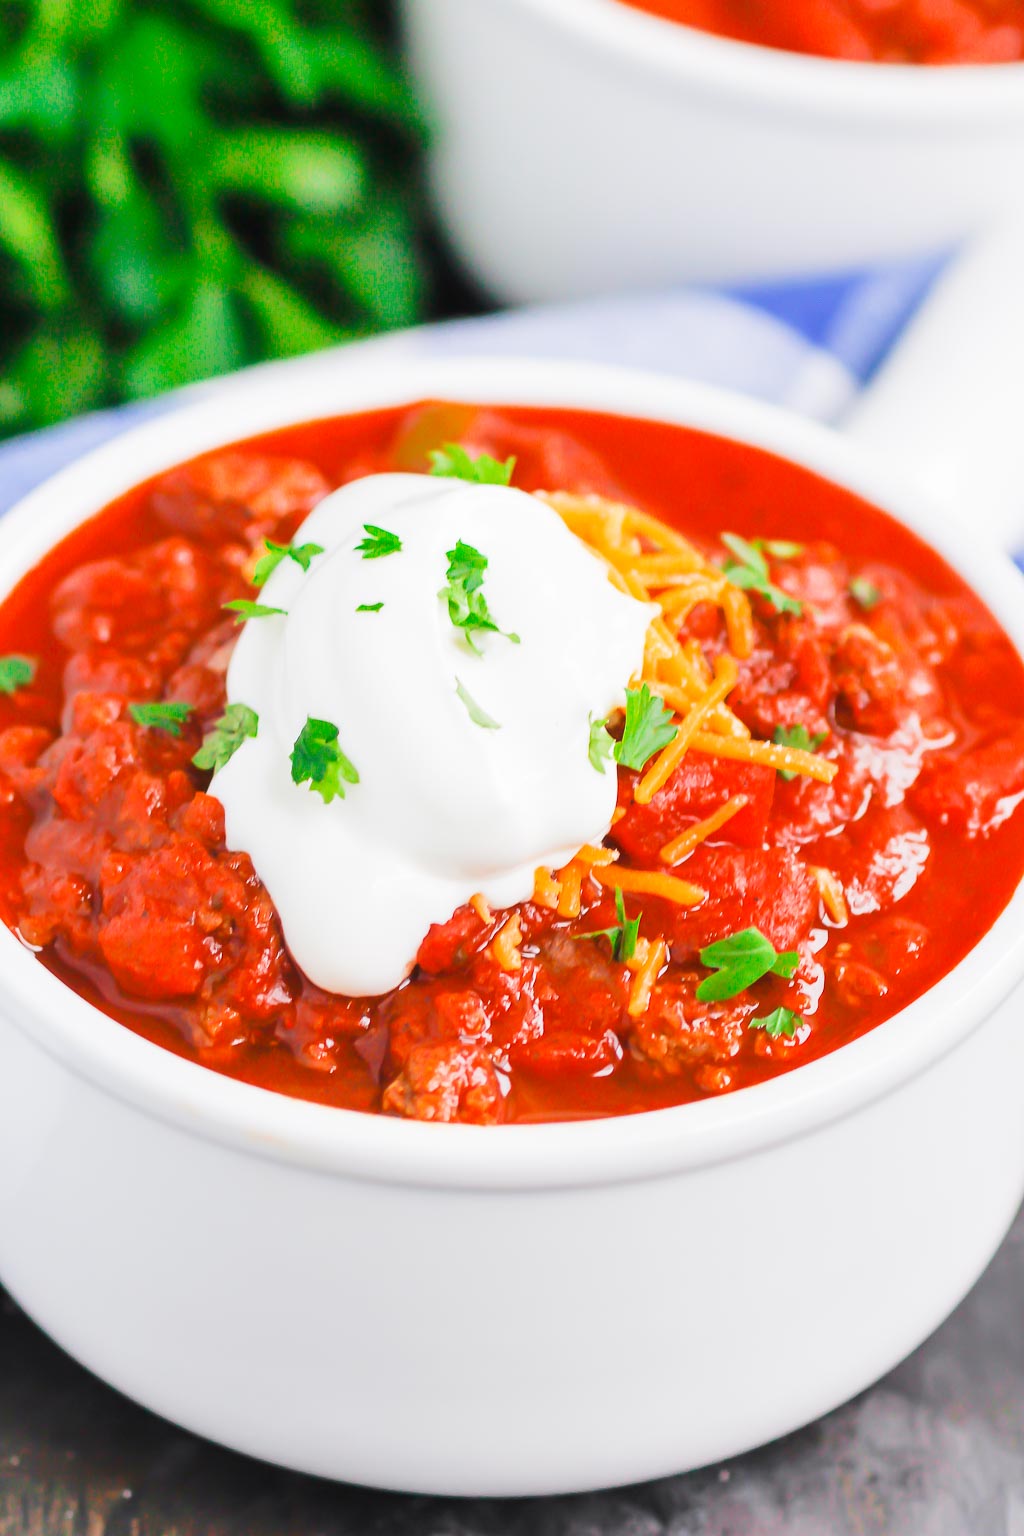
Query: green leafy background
[[187, 186]]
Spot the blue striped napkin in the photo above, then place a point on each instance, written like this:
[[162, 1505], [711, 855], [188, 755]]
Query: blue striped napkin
[[807, 345]]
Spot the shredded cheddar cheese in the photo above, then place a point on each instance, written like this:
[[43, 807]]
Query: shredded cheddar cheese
[[651, 959], [504, 947], [480, 906], [546, 889], [833, 897], [682, 846], [657, 565], [650, 882]]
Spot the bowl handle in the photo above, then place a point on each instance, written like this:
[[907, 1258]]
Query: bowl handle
[[948, 403]]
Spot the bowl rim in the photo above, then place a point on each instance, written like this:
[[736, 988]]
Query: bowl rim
[[965, 93], [343, 1142]]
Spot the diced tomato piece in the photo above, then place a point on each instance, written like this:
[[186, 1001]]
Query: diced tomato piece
[[447, 1082], [976, 791], [163, 957], [768, 889], [880, 859], [677, 1032], [237, 495], [701, 784], [444, 941]]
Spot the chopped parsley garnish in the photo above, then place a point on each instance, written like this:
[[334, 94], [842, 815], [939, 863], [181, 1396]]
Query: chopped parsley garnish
[[648, 728], [781, 1021], [318, 760], [476, 714], [739, 961], [369, 608], [168, 717], [453, 462], [16, 672], [748, 568], [246, 609], [623, 936], [302, 554], [236, 724], [865, 593], [602, 744], [797, 736], [378, 542], [779, 549], [467, 606]]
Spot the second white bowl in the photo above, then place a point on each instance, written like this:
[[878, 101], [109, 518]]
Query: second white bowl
[[583, 147]]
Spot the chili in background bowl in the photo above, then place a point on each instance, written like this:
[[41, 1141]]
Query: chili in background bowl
[[583, 147], [465, 1310]]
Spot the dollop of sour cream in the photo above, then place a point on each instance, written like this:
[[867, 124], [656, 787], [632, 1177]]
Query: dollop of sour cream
[[445, 806]]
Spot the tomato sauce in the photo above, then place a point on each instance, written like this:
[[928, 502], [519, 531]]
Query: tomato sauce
[[112, 858], [880, 31]]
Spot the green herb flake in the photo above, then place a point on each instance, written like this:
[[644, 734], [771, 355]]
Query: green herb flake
[[779, 549], [865, 593], [739, 961], [748, 568], [236, 725], [369, 608], [318, 760], [453, 462], [16, 672], [602, 744], [623, 935], [302, 554], [781, 1021], [647, 730], [476, 714], [245, 609], [467, 605], [168, 716], [799, 737], [378, 543]]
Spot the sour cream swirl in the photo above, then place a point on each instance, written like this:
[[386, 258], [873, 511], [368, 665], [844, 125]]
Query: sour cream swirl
[[445, 807]]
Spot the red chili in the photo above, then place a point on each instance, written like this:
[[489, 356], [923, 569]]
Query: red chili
[[112, 856]]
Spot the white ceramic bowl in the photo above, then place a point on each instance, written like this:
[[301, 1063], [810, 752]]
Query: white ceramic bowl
[[583, 146], [503, 1310]]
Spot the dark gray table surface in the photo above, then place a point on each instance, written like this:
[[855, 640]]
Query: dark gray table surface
[[936, 1449]]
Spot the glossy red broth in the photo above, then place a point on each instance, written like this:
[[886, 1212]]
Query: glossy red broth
[[112, 856]]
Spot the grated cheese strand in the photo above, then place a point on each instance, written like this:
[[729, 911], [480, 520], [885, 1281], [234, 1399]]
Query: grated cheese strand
[[790, 758], [668, 760], [645, 978], [651, 882], [504, 947], [682, 846]]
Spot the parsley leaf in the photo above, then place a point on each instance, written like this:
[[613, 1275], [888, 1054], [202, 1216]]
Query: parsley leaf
[[454, 463], [467, 606], [302, 554], [16, 672], [378, 542], [865, 593], [748, 568], [739, 961], [648, 728], [779, 549], [476, 714], [246, 609], [781, 1021], [168, 717], [623, 936], [369, 608], [602, 745], [235, 725], [317, 759], [797, 736]]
